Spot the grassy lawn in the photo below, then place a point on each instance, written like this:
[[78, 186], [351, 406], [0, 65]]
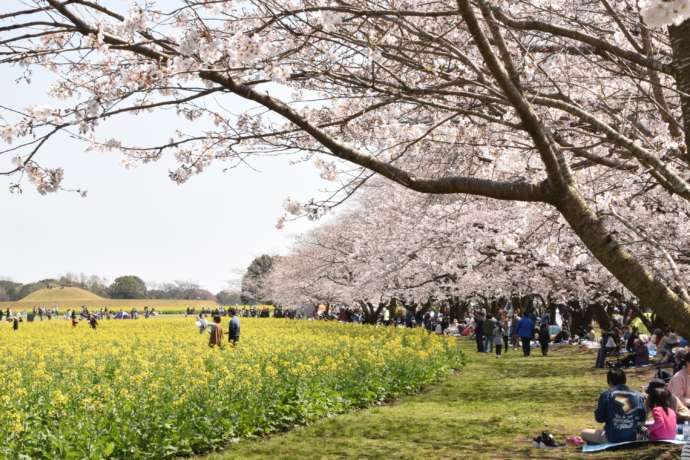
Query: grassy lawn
[[490, 410]]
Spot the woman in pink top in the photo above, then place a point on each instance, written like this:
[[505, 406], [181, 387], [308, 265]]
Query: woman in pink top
[[664, 426]]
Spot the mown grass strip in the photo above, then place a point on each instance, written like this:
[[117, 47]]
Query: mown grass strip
[[490, 410]]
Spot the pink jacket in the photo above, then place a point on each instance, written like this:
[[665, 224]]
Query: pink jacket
[[664, 426], [680, 386]]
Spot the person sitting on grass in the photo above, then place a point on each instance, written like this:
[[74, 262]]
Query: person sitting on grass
[[680, 383], [620, 409], [664, 425], [680, 409], [641, 353]]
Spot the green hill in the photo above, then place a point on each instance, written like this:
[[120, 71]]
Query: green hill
[[71, 297], [61, 294]]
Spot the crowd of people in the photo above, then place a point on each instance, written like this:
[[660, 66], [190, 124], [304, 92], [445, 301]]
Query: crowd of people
[[505, 330], [632, 349], [74, 315], [250, 312]]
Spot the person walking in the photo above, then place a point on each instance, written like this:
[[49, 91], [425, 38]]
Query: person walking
[[498, 338], [234, 328], [514, 338], [525, 330], [201, 323], [505, 328], [479, 331], [488, 330], [216, 331], [544, 338]]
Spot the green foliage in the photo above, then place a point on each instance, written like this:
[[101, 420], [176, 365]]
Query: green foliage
[[9, 290], [254, 279], [128, 287], [489, 410], [154, 389], [229, 298]]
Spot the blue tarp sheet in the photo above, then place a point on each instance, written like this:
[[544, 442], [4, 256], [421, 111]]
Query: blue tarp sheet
[[600, 447]]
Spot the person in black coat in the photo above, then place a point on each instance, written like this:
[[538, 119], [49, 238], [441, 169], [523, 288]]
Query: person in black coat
[[544, 338], [478, 331]]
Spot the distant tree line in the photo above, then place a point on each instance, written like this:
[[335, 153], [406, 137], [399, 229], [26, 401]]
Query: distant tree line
[[123, 287], [251, 292]]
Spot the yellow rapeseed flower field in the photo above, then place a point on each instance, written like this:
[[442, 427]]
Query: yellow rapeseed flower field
[[154, 389]]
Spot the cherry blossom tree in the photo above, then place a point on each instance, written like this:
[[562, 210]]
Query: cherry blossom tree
[[419, 250], [580, 106]]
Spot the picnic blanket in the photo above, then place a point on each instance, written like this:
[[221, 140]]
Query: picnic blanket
[[615, 445]]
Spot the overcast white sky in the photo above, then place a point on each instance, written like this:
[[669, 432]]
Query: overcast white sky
[[138, 221]]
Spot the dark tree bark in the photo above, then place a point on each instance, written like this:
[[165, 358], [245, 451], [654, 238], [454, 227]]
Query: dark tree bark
[[580, 317], [680, 42], [623, 265], [601, 316]]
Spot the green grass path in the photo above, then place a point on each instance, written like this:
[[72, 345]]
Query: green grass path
[[489, 410]]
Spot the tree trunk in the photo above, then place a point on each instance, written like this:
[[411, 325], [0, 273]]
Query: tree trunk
[[680, 42], [622, 264], [601, 316], [552, 312]]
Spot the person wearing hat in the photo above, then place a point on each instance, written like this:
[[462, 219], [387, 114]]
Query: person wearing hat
[[680, 383], [681, 410]]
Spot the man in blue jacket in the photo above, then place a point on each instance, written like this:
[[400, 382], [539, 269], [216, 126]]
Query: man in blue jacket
[[525, 330], [620, 409]]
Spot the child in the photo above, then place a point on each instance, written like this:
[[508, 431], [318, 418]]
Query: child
[[664, 426], [216, 332], [498, 339], [201, 323]]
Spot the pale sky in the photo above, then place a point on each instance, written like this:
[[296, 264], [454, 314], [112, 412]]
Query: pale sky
[[138, 221]]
